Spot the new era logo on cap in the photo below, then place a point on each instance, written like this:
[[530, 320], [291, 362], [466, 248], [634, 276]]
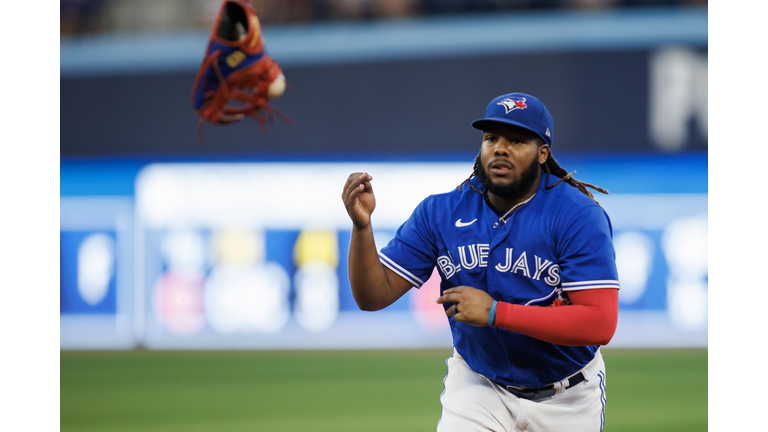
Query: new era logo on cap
[[510, 104]]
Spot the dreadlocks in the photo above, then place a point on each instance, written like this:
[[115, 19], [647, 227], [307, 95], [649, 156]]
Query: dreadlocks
[[550, 166], [475, 172]]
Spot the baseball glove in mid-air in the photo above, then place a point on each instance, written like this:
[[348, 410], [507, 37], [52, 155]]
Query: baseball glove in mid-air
[[237, 76]]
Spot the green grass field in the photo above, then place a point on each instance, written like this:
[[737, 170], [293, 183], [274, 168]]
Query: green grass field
[[149, 391]]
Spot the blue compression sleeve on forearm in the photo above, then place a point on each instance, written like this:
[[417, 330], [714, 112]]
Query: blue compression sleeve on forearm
[[492, 314]]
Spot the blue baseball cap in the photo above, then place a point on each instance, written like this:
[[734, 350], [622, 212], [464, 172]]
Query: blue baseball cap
[[519, 109]]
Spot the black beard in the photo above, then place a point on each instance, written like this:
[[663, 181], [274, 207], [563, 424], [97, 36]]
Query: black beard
[[515, 189]]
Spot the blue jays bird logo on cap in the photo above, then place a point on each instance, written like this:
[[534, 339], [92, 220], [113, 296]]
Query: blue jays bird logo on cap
[[521, 110], [511, 104]]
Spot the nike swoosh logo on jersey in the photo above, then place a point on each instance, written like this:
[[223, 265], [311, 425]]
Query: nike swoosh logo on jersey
[[460, 224]]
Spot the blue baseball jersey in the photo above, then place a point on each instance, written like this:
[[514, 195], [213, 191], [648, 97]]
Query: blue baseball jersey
[[558, 241]]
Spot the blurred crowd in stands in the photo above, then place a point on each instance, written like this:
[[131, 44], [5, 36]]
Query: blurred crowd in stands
[[112, 16]]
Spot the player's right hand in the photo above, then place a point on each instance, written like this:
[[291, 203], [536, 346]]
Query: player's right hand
[[359, 199]]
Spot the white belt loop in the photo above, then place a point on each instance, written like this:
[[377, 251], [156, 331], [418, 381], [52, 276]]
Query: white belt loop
[[560, 386], [593, 367]]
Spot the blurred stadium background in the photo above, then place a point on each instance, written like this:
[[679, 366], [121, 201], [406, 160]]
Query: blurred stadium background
[[238, 247]]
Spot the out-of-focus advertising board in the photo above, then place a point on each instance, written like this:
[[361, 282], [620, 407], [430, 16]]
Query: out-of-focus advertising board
[[253, 256], [96, 248]]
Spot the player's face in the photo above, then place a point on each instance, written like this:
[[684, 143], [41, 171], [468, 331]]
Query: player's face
[[510, 159]]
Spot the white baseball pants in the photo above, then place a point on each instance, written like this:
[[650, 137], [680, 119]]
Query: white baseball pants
[[472, 402]]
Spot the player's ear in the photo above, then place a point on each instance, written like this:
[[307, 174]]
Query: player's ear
[[543, 153]]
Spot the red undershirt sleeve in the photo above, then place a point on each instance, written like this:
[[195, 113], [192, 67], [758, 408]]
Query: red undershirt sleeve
[[590, 319]]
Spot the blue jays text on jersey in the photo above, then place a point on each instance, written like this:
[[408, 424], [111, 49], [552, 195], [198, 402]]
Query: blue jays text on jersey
[[559, 240]]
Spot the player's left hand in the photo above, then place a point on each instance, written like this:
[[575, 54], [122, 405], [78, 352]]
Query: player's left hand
[[470, 305]]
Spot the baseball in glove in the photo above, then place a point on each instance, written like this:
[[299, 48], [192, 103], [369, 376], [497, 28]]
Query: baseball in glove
[[237, 76]]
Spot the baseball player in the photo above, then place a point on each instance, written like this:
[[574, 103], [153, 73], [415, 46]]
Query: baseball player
[[528, 278]]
